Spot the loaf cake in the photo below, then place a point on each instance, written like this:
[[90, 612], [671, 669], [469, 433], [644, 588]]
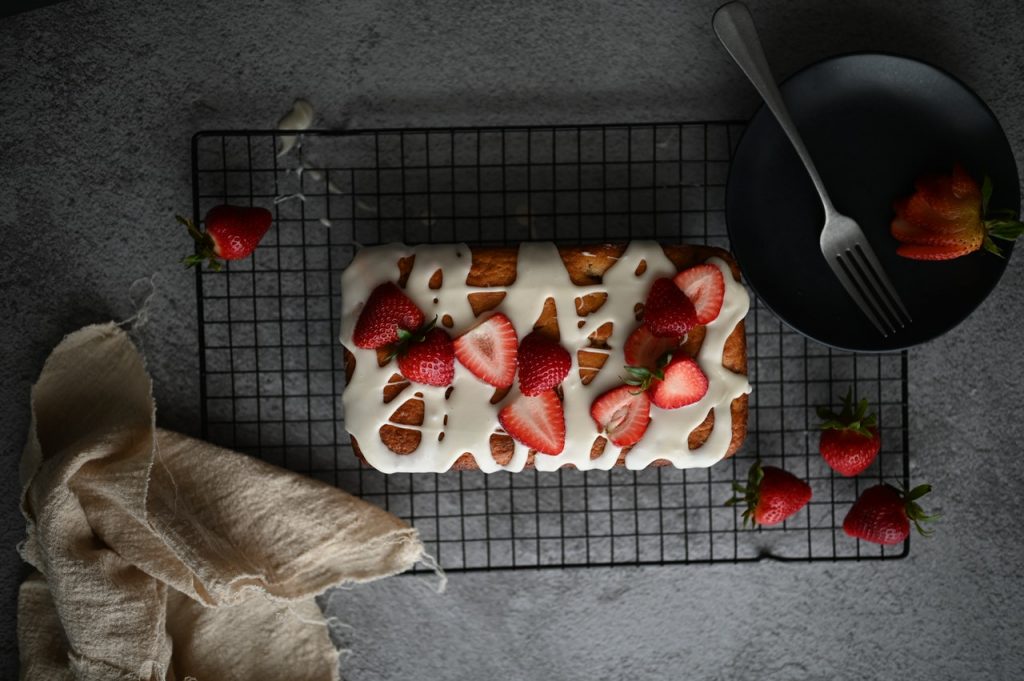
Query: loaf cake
[[587, 300]]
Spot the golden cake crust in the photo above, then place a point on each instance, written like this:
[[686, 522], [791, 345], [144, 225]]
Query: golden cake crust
[[496, 266]]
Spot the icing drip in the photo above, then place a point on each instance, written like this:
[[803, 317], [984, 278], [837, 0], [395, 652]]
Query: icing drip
[[472, 419]]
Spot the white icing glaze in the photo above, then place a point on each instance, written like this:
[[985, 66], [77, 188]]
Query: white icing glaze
[[472, 419], [299, 118]]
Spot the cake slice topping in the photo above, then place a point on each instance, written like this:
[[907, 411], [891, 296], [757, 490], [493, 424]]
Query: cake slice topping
[[683, 383], [386, 311], [428, 358], [644, 349], [537, 422], [543, 364], [668, 312], [622, 415], [489, 350], [704, 285]]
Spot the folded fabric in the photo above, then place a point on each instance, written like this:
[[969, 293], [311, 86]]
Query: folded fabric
[[161, 557]]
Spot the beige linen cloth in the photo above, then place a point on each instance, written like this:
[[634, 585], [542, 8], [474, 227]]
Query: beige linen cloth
[[161, 557]]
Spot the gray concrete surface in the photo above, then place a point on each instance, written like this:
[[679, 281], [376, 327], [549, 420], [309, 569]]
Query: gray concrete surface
[[99, 100]]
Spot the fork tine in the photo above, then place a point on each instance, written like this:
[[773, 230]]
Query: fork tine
[[839, 268], [879, 275], [870, 285]]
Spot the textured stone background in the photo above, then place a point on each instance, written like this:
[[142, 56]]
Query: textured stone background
[[99, 100]]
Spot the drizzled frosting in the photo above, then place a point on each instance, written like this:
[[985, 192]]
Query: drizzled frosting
[[472, 419]]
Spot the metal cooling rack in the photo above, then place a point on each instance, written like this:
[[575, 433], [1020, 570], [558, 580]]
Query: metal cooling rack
[[272, 370]]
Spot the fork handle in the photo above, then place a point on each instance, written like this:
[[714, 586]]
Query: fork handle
[[735, 28]]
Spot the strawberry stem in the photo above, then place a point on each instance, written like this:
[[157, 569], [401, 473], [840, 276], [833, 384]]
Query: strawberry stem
[[407, 338], [914, 511], [204, 247], [750, 493], [854, 420]]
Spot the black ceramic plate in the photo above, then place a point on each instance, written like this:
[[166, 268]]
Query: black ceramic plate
[[872, 123]]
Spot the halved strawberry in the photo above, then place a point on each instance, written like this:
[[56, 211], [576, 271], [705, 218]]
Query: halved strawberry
[[386, 311], [909, 233], [644, 349], [704, 285], [667, 311], [489, 350], [537, 422], [622, 415], [684, 384]]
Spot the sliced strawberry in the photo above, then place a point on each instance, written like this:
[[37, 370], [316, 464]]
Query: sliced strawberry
[[934, 252], [684, 384], [668, 312], [963, 185], [916, 210], [489, 350], [622, 415], [704, 285], [644, 349], [538, 422], [543, 364], [909, 233], [386, 311]]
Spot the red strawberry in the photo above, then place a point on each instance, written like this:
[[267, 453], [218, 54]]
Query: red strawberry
[[543, 364], [489, 350], [537, 422], [849, 439], [232, 233], [387, 311], [668, 312], [772, 495], [945, 218], [429, 359], [644, 349], [622, 415], [910, 233], [683, 383], [882, 514], [937, 252], [704, 285]]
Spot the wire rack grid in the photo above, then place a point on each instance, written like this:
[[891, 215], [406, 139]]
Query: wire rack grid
[[272, 371]]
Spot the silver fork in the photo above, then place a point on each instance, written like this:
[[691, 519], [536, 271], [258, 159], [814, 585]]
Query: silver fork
[[843, 244]]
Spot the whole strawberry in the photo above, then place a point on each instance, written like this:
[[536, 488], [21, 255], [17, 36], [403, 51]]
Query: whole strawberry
[[428, 357], [882, 514], [849, 439], [668, 312], [772, 495], [543, 364], [386, 313], [232, 233]]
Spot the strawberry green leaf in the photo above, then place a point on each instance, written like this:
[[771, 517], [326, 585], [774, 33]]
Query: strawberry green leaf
[[986, 194], [1007, 230], [918, 492], [991, 247]]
